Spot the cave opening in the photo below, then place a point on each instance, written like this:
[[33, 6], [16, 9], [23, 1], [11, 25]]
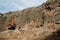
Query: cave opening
[[49, 8], [12, 27]]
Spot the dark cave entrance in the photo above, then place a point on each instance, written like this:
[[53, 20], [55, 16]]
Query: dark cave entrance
[[12, 27]]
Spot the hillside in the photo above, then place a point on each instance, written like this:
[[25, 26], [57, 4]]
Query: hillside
[[35, 23]]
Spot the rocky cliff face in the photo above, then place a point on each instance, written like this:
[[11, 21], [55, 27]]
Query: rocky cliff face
[[36, 23]]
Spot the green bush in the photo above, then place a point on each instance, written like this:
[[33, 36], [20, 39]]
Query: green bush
[[5, 17]]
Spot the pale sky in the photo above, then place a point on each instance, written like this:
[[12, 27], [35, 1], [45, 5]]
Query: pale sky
[[14, 5]]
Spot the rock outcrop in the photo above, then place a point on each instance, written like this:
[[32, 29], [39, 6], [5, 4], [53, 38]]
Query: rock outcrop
[[9, 22]]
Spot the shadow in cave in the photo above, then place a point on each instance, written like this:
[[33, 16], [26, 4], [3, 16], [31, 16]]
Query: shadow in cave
[[12, 27], [54, 36]]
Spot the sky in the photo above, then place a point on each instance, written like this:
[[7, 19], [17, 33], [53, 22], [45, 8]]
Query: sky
[[14, 5]]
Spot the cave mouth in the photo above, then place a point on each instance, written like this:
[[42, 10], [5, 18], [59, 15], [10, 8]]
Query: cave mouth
[[54, 36], [12, 27]]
